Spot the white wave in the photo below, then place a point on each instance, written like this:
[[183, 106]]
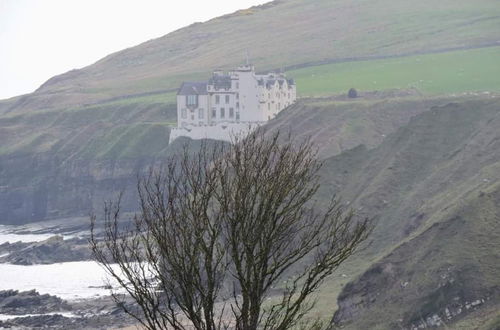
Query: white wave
[[4, 317], [8, 234], [68, 280]]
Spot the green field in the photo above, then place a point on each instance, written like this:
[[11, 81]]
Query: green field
[[165, 98], [475, 70], [451, 72]]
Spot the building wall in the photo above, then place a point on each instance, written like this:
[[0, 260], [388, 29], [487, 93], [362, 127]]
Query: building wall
[[276, 98], [249, 98], [224, 132], [246, 101], [223, 106], [189, 115]]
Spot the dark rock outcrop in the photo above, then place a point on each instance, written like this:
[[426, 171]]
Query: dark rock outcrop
[[14, 302], [100, 313], [52, 250]]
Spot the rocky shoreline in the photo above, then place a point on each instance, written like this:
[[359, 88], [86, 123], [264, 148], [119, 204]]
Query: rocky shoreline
[[32, 310], [52, 250], [46, 311]]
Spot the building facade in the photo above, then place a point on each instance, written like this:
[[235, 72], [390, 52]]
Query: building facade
[[230, 103]]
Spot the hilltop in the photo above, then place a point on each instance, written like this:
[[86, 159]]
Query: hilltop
[[280, 34]]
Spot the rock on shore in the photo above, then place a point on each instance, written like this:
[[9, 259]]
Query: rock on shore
[[13, 302], [52, 250]]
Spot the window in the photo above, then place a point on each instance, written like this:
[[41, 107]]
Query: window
[[214, 112], [183, 113], [269, 106], [201, 113], [217, 99], [238, 116], [237, 96], [227, 99], [237, 105], [279, 105], [231, 113], [222, 112], [192, 100], [237, 85]]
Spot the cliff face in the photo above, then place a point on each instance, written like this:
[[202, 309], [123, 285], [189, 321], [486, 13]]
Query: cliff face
[[433, 188], [38, 188], [65, 163]]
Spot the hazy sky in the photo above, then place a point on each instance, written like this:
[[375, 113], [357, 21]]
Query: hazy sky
[[42, 38]]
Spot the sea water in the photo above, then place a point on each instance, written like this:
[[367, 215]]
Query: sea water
[[8, 234], [67, 280]]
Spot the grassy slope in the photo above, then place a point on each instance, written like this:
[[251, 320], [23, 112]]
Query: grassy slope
[[114, 130], [416, 178], [282, 33], [483, 319], [451, 72], [433, 186], [338, 125]]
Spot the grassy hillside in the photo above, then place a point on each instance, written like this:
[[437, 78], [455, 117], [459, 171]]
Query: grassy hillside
[[443, 73], [124, 128], [337, 124], [283, 33], [62, 162], [433, 187]]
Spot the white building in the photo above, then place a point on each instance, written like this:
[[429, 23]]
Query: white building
[[230, 103]]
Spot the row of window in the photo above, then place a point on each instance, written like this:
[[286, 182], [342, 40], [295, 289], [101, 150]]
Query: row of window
[[226, 98], [222, 113], [201, 113], [278, 94], [192, 100]]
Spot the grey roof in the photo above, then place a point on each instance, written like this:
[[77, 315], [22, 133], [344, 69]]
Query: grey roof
[[193, 88], [220, 81], [270, 82]]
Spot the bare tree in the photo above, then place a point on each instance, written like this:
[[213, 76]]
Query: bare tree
[[222, 227]]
